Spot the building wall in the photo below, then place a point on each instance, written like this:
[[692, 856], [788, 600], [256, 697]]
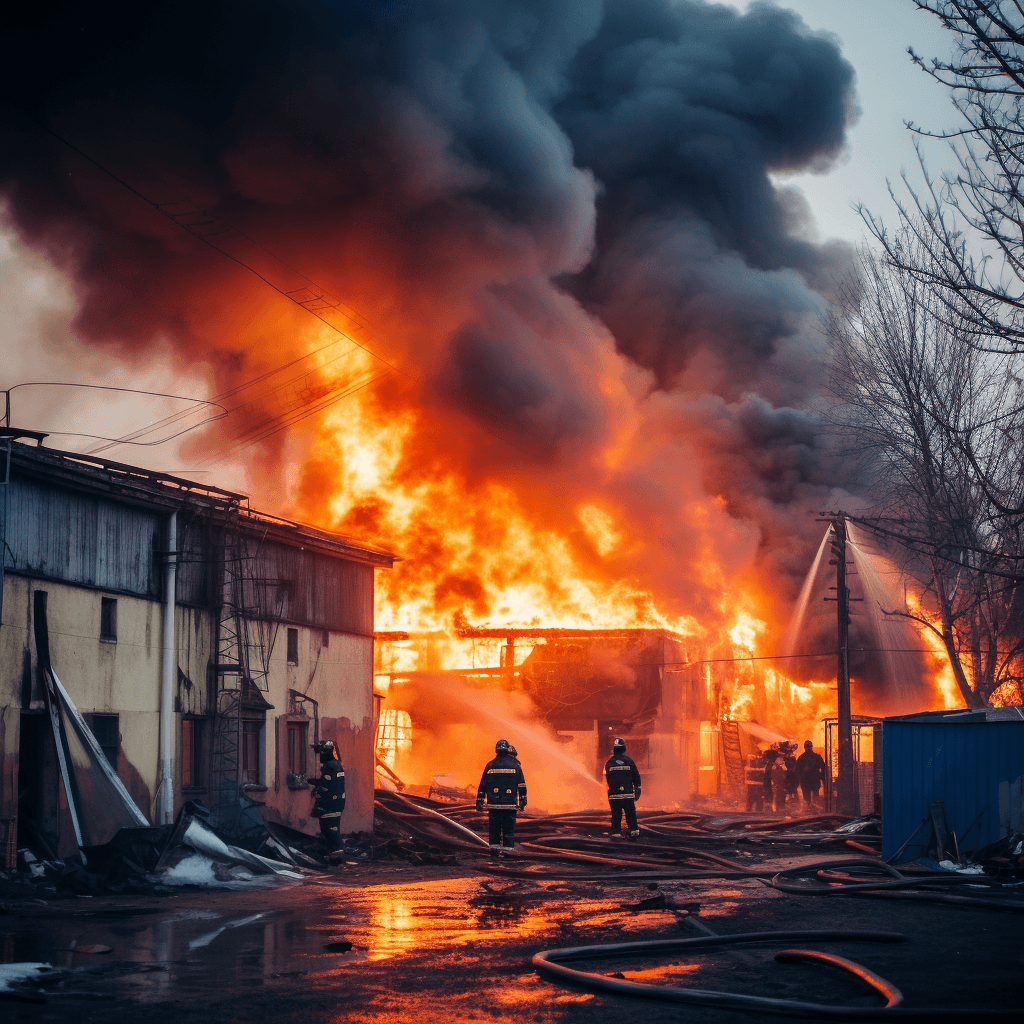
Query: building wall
[[338, 675], [121, 677]]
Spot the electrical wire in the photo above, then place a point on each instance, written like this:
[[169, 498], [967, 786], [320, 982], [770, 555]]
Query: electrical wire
[[160, 208]]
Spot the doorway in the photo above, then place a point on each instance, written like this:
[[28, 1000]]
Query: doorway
[[38, 788]]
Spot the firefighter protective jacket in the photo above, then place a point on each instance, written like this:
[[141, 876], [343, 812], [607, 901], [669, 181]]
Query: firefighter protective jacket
[[329, 791], [623, 778], [502, 785], [810, 768], [753, 774]]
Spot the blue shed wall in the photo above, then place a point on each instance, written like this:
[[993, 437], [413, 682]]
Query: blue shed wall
[[963, 765]]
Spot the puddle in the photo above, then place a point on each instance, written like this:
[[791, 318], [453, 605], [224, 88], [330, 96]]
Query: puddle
[[189, 945]]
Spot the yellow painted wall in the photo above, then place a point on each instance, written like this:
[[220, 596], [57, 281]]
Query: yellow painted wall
[[124, 678]]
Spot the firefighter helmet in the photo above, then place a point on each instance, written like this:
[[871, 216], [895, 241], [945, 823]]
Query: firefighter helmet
[[326, 750], [501, 747], [619, 746]]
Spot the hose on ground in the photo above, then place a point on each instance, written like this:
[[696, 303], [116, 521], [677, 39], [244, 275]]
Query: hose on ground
[[895, 881], [551, 962]]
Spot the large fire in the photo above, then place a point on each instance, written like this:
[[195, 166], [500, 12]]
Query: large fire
[[586, 383]]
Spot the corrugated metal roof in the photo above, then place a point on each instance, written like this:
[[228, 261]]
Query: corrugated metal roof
[[129, 485], [967, 761]]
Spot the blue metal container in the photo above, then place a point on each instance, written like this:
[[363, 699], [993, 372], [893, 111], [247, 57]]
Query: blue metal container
[[971, 760]]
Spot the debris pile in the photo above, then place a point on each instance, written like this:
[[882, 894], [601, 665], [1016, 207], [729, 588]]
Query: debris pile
[[680, 845]]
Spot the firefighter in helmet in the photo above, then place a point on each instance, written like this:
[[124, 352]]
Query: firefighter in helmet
[[329, 795], [623, 788], [503, 791]]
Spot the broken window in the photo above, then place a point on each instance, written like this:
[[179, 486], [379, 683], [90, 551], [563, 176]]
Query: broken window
[[108, 620], [293, 646], [251, 752], [191, 753], [298, 742], [394, 733], [107, 732]]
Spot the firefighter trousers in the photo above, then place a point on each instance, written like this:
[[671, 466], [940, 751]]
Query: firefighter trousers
[[629, 806], [329, 830], [502, 829]]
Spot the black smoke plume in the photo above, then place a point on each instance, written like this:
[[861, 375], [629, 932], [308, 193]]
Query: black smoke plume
[[501, 187]]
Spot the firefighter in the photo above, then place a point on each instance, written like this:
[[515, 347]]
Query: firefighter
[[789, 754], [623, 779], [768, 757], [810, 768], [779, 779], [503, 790], [329, 795], [754, 779]]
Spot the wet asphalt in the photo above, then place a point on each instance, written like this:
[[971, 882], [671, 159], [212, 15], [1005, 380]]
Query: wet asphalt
[[453, 945]]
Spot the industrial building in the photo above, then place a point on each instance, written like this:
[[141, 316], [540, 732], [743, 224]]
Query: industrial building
[[586, 686], [206, 644]]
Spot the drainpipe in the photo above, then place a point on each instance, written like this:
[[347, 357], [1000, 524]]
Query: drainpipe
[[165, 796]]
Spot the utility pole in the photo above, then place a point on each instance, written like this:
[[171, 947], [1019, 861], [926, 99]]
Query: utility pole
[[844, 783]]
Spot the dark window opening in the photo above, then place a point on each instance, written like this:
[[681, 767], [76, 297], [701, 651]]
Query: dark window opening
[[327, 638], [108, 620], [293, 646], [251, 752], [298, 742], [106, 730], [191, 752]]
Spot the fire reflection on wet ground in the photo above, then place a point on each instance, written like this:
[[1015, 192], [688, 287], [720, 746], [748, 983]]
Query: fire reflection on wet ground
[[192, 945], [444, 945]]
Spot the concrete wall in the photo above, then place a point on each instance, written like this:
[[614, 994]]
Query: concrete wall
[[124, 678], [339, 676]]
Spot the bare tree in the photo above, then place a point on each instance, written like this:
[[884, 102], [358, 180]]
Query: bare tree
[[915, 396], [968, 227]]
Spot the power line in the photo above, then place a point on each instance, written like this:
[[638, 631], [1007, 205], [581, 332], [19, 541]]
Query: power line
[[789, 657], [185, 226], [134, 391]]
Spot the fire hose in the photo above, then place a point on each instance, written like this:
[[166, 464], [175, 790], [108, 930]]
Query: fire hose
[[835, 886], [551, 962]]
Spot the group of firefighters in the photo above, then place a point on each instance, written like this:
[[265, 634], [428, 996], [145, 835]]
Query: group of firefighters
[[502, 792], [776, 776], [772, 778]]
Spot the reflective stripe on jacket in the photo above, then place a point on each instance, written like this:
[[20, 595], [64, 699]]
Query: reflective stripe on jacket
[[623, 777], [330, 790], [502, 785]]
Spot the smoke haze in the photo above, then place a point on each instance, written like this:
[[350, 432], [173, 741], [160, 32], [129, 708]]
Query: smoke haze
[[559, 221]]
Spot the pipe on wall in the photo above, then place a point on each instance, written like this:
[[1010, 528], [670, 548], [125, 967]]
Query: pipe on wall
[[165, 794]]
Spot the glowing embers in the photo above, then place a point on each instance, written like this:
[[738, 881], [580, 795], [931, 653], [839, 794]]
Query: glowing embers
[[394, 734]]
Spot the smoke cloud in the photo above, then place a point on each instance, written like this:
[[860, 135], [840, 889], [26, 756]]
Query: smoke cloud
[[560, 220]]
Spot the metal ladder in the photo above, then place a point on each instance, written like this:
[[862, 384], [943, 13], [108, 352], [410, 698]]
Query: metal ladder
[[732, 755]]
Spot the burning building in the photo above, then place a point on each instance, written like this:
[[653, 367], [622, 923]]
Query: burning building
[[206, 645], [563, 695], [524, 288]]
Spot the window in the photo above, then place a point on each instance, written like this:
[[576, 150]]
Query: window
[[293, 646], [108, 620], [191, 753], [298, 742], [105, 729], [394, 733], [251, 752]]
